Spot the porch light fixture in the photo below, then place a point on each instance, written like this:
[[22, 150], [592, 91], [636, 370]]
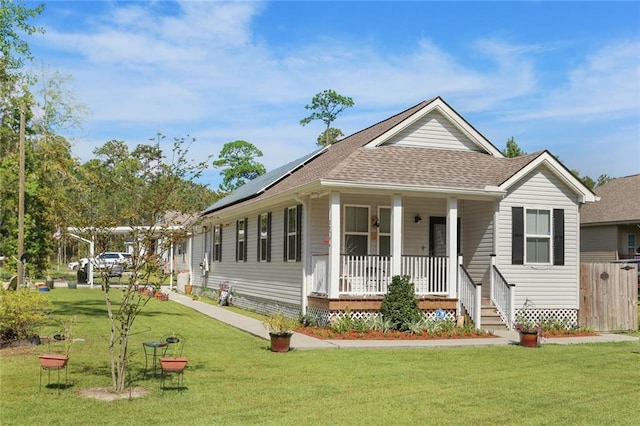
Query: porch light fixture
[[418, 218]]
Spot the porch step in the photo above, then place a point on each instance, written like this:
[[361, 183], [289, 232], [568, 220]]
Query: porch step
[[489, 317]]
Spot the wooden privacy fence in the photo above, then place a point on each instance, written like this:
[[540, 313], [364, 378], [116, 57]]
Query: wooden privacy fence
[[608, 296]]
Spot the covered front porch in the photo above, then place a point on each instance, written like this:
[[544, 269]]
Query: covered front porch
[[371, 238]]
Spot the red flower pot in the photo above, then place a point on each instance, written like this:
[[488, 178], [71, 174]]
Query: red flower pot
[[53, 360], [529, 339], [280, 342], [173, 364]]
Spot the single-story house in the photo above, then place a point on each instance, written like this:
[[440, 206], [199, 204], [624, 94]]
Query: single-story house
[[421, 194], [610, 228]]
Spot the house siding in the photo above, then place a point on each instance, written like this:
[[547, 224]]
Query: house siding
[[599, 244], [546, 286], [433, 131], [276, 281], [477, 244]]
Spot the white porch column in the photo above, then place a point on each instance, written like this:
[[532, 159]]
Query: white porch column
[[452, 246], [396, 235], [334, 244]]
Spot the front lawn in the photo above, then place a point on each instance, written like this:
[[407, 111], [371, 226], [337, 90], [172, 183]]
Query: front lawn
[[232, 378]]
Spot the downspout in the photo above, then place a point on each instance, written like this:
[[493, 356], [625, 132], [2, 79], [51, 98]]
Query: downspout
[[306, 241]]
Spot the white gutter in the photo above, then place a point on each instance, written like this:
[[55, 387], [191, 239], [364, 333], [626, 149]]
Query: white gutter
[[486, 192]]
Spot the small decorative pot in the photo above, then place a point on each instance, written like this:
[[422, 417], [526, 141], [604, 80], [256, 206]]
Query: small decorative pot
[[188, 288], [72, 285], [280, 342], [529, 339]]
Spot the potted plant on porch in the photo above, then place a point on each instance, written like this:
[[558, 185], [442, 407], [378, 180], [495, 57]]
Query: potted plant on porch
[[280, 329], [529, 330]]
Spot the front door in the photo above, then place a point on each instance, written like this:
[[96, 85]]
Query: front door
[[438, 236]]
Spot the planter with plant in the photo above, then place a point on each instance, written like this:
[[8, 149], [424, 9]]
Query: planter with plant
[[63, 341], [529, 330], [280, 329]]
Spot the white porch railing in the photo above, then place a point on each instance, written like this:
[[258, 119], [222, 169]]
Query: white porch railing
[[364, 275], [470, 296], [429, 274], [503, 296]]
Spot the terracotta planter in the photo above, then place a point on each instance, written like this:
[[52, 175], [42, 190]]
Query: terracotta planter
[[188, 288], [280, 342], [173, 364], [53, 361], [529, 339]]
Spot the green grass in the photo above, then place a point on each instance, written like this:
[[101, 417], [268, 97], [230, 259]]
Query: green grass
[[233, 378]]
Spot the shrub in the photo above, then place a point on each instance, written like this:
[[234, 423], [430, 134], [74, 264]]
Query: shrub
[[21, 313], [399, 305]]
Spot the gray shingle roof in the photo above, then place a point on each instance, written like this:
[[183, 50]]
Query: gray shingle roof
[[350, 161], [619, 202]]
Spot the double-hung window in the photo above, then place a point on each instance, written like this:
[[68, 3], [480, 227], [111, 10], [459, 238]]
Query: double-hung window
[[264, 237], [293, 234], [538, 236], [356, 230], [217, 243], [241, 240], [631, 243], [384, 231]]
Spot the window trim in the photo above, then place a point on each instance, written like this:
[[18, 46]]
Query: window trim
[[344, 226], [266, 256], [631, 248], [548, 237], [383, 234], [241, 249], [216, 247], [298, 233]]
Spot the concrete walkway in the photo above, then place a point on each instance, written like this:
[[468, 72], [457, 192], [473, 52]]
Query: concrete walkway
[[302, 341]]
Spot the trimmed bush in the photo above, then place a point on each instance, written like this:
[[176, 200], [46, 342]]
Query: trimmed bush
[[21, 313], [399, 306]]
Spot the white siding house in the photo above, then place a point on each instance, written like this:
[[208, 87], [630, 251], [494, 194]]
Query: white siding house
[[421, 194]]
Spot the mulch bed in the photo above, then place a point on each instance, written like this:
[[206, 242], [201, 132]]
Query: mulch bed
[[328, 334], [325, 333]]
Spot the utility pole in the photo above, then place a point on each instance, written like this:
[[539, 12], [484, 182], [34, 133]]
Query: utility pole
[[21, 173]]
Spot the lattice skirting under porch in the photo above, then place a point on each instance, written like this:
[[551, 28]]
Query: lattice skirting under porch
[[324, 317], [569, 317]]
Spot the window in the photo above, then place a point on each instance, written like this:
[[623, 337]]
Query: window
[[217, 243], [538, 236], [536, 242], [293, 234], [356, 230], [241, 241], [264, 237], [384, 231], [631, 243]]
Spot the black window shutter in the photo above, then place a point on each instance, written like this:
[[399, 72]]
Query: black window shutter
[[246, 238], [259, 221], [237, 235], [299, 233], [220, 247], [517, 236], [558, 236], [286, 231], [269, 237]]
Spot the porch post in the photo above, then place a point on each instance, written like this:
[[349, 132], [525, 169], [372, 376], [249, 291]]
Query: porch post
[[334, 245], [452, 246], [396, 235]]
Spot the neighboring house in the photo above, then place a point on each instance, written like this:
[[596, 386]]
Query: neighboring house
[[610, 228], [422, 194]]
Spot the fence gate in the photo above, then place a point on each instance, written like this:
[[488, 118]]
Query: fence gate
[[608, 296]]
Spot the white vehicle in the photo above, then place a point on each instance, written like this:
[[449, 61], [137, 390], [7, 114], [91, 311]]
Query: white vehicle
[[108, 259]]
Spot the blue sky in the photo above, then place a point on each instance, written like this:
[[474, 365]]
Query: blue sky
[[562, 76]]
